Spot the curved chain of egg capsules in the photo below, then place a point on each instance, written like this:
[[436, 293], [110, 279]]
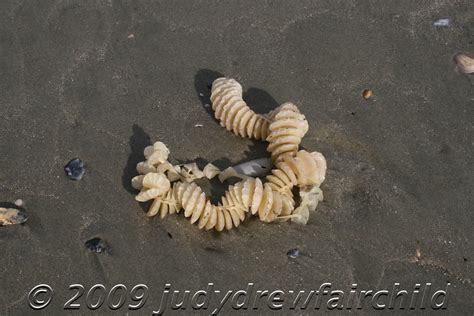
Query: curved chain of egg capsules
[[248, 195], [283, 128], [233, 113], [269, 200]]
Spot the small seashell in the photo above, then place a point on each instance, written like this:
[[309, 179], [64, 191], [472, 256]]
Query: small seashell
[[95, 245], [131, 36], [418, 253], [75, 169], [465, 64], [12, 216], [255, 168], [230, 172], [198, 125], [367, 93], [19, 202], [442, 22], [293, 253]]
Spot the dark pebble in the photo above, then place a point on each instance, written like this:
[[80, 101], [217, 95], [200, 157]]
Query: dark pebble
[[293, 253], [95, 245], [75, 169]]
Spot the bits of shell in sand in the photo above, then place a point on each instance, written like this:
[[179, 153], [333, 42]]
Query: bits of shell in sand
[[464, 63]]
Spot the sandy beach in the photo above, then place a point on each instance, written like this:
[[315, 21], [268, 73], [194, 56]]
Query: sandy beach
[[101, 80]]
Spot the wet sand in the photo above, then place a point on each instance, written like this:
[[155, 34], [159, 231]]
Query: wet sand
[[101, 80]]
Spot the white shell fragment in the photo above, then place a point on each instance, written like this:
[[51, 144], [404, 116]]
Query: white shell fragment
[[464, 63], [255, 168], [230, 172], [442, 22]]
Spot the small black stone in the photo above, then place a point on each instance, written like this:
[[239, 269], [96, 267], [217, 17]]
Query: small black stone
[[293, 253], [75, 169], [95, 245], [169, 235]]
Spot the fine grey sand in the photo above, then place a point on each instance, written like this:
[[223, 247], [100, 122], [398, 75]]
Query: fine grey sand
[[100, 80]]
